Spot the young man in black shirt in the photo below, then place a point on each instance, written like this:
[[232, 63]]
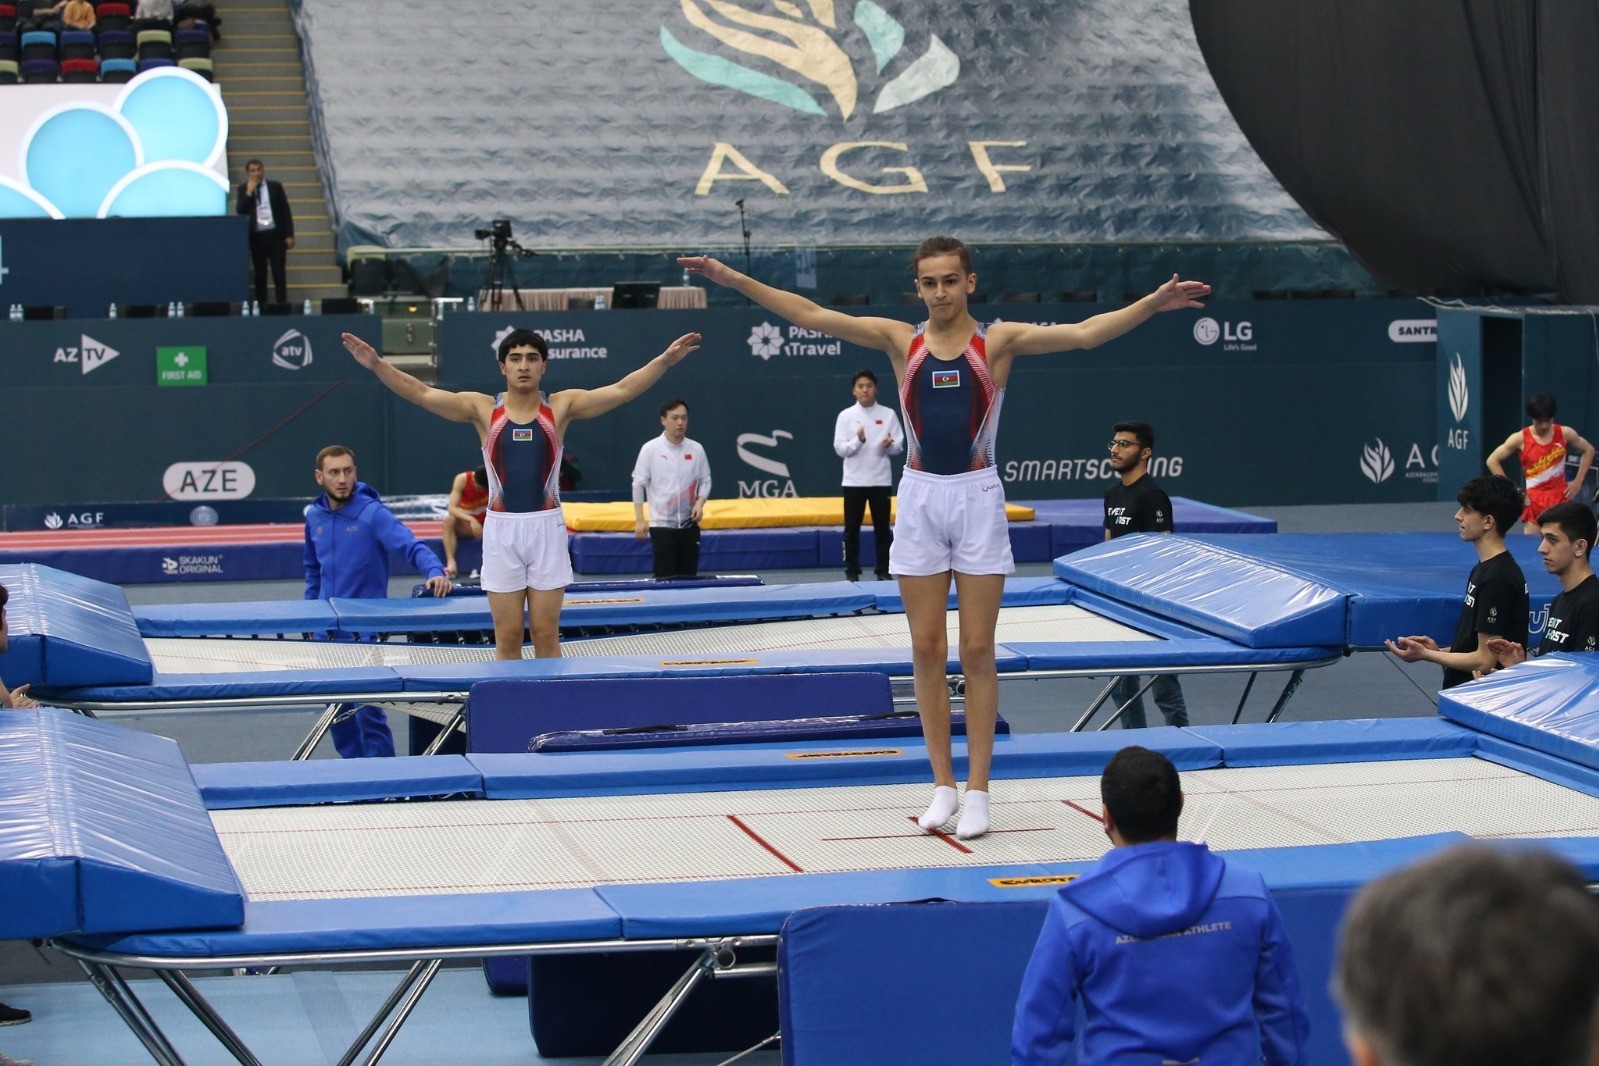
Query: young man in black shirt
[[1568, 531], [1137, 505], [1496, 591]]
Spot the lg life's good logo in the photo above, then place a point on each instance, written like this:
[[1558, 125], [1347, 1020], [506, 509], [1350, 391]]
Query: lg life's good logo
[[767, 340], [231, 480], [563, 344], [780, 483], [1413, 330], [808, 47], [1237, 336], [292, 351], [79, 520], [1378, 464], [89, 355]]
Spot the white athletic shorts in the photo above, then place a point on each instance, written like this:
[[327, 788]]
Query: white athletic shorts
[[525, 550], [951, 522]]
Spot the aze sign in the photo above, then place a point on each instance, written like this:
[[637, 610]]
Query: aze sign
[[208, 481]]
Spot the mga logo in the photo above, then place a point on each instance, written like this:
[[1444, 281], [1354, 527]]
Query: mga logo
[[1376, 462], [89, 355], [292, 351], [765, 340], [780, 483], [810, 48]]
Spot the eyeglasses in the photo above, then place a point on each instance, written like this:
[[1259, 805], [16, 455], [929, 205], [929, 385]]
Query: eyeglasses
[[1122, 444]]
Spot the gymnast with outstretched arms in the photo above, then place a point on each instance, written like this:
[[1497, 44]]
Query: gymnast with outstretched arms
[[952, 372]]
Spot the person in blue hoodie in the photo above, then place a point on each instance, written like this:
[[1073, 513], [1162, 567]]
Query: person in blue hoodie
[[1174, 954], [348, 536]]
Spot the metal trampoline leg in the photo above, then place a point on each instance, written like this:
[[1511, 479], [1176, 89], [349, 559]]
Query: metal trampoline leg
[[1288, 693], [1104, 694], [446, 732], [643, 1035], [1239, 713], [110, 984], [406, 995], [184, 989], [313, 738], [1136, 696]]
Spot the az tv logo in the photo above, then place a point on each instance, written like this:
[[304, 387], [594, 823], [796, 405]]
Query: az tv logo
[[89, 355], [807, 41]]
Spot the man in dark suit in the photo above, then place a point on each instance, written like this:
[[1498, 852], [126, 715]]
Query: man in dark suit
[[271, 227]]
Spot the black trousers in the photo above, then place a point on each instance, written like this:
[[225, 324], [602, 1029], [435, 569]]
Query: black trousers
[[677, 551], [856, 500], [268, 247]]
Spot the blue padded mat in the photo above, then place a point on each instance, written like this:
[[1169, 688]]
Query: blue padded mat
[[787, 548], [1220, 590], [69, 630], [227, 785], [1397, 583], [1549, 704], [1019, 592], [1371, 739], [1077, 524], [260, 683], [235, 618], [103, 830]]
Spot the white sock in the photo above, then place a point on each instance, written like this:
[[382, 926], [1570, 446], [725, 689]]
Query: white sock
[[974, 815], [946, 801]]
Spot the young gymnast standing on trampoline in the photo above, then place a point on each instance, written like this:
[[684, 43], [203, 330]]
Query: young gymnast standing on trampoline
[[952, 371], [526, 567]]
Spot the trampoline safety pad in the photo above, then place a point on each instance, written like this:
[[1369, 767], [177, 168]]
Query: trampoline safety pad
[[466, 846]]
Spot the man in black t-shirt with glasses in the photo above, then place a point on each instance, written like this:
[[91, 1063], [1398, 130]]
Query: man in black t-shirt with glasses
[[1137, 505], [1496, 591], [1567, 531]]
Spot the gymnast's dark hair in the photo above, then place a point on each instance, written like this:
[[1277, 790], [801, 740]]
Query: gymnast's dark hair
[[1540, 407], [941, 246], [1574, 520], [1141, 791], [1142, 432], [4, 596], [519, 338], [1495, 497]]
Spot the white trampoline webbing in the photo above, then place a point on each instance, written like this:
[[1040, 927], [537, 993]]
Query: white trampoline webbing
[[390, 849], [1055, 623]]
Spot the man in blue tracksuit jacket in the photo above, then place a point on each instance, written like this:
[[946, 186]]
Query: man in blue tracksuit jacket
[[1178, 957], [348, 537]]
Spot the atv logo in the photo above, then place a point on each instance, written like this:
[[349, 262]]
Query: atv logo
[[292, 351], [89, 355]]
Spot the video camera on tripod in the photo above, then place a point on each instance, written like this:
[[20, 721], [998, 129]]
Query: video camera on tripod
[[499, 233]]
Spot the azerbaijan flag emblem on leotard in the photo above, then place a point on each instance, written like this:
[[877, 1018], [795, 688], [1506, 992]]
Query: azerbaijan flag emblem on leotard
[[524, 434], [946, 379]]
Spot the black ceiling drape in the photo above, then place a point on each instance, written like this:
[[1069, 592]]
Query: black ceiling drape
[[1452, 145]]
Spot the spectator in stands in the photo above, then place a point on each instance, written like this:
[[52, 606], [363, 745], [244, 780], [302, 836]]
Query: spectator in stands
[[673, 472], [952, 524], [70, 14], [1137, 504], [526, 565], [271, 228], [1495, 604], [1175, 954], [866, 435], [1482, 955], [1567, 549], [1542, 448], [17, 699], [348, 536], [469, 500], [154, 9]]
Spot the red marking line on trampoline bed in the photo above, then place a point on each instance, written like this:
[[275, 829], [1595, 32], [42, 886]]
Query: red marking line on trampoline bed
[[1080, 809], [753, 835]]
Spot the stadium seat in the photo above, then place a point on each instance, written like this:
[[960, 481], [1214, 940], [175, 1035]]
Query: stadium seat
[[192, 44], [8, 18], [117, 71], [340, 305], [8, 71], [40, 71], [38, 44], [1080, 297], [369, 277], [154, 44], [113, 23], [202, 67], [80, 71], [151, 64], [76, 44], [1020, 298], [140, 25], [8, 45], [116, 44]]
